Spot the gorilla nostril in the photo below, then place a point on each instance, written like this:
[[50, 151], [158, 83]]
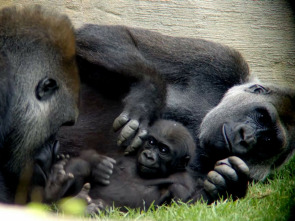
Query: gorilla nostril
[[247, 135], [69, 123]]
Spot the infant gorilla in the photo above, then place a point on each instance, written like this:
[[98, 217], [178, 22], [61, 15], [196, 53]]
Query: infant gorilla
[[167, 150], [159, 170], [158, 173]]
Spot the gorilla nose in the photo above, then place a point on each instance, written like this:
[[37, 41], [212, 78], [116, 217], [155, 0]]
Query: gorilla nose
[[72, 119], [149, 155], [247, 135]]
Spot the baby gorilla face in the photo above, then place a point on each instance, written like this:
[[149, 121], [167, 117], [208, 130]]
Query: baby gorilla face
[[167, 149]]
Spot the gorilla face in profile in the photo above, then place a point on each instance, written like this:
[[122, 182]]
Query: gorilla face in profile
[[39, 92], [254, 122]]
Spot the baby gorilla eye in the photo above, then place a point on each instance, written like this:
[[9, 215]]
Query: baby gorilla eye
[[152, 141], [163, 148]]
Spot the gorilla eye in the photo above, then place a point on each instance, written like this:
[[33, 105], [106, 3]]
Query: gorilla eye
[[163, 148], [258, 89], [263, 117], [152, 141], [266, 140], [46, 88]]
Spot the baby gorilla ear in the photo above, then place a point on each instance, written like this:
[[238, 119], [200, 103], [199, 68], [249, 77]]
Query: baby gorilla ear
[[182, 163]]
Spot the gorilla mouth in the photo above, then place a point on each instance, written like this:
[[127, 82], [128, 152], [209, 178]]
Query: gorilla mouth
[[146, 169], [226, 139]]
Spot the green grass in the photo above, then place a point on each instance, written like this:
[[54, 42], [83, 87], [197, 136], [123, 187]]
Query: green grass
[[271, 200]]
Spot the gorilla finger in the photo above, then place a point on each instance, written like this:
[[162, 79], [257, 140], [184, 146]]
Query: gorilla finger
[[129, 130], [120, 121], [102, 171], [227, 172], [216, 179], [84, 193], [104, 181], [239, 165], [138, 140], [57, 167], [86, 188], [63, 177], [223, 162], [211, 189], [92, 209], [98, 175], [108, 163]]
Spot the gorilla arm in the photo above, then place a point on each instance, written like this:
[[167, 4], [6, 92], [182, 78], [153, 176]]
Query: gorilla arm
[[128, 74]]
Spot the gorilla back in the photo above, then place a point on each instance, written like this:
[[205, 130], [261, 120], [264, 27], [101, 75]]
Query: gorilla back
[[40, 93]]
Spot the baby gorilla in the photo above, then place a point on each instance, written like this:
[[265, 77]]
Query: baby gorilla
[[167, 149], [156, 175]]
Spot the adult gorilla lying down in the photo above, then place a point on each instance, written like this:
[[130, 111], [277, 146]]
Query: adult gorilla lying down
[[39, 87], [252, 120], [209, 91]]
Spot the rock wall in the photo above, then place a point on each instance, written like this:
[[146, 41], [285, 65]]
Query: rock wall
[[264, 31]]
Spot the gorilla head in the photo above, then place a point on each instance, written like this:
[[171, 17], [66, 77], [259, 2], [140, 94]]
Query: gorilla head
[[167, 149], [38, 48], [254, 122]]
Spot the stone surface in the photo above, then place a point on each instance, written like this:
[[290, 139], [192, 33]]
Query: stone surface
[[264, 31]]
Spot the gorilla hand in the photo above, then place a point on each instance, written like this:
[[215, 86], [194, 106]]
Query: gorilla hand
[[142, 105], [229, 177], [101, 166], [133, 127]]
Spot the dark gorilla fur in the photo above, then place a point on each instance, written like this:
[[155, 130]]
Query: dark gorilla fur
[[198, 74], [166, 177], [190, 78], [38, 93]]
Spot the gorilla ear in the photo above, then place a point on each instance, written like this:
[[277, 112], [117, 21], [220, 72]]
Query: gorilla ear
[[183, 162], [186, 160]]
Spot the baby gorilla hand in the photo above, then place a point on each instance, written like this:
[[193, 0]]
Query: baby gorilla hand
[[101, 166], [132, 129], [229, 177]]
